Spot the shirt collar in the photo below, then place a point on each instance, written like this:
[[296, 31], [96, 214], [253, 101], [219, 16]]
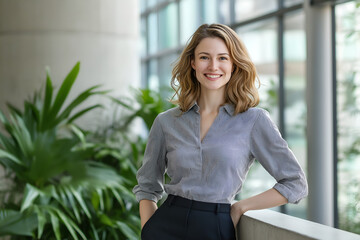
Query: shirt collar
[[229, 108], [194, 106]]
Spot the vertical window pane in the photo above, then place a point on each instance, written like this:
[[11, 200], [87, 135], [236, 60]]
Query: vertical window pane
[[261, 42], [151, 3], [289, 3], [143, 50], [164, 70], [348, 114], [168, 26], [152, 33], [295, 96], [210, 9], [224, 11], [142, 6], [189, 13], [144, 75], [245, 9], [153, 75]]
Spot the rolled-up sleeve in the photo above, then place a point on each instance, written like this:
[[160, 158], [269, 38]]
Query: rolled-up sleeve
[[273, 153], [150, 176]]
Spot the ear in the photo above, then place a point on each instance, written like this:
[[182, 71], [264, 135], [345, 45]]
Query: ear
[[193, 64]]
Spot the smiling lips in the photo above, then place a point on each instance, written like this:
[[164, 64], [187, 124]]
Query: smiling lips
[[212, 76]]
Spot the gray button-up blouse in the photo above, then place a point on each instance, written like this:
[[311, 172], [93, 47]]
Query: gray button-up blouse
[[214, 169]]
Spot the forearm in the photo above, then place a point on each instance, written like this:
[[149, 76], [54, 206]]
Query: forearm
[[268, 199], [146, 209]]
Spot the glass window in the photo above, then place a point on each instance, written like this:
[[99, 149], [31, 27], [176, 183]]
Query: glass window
[[189, 15], [142, 6], [150, 3], [143, 47], [210, 11], [168, 26], [153, 78], [245, 9], [295, 95], [144, 75], [224, 11], [261, 42], [348, 114], [152, 33], [289, 3], [165, 67]]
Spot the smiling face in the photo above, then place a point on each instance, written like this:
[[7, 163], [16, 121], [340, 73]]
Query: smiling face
[[212, 64]]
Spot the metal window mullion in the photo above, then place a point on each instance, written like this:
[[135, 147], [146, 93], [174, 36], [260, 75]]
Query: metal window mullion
[[232, 11], [335, 131], [147, 63], [281, 69], [279, 12], [179, 21], [218, 15]]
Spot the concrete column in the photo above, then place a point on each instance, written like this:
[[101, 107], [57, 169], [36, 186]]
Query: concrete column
[[102, 34], [319, 114]]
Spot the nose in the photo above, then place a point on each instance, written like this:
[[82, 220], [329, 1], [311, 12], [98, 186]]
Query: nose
[[213, 65]]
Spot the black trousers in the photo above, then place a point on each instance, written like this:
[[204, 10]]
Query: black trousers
[[183, 219]]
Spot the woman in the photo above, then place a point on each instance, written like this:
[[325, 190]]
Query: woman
[[207, 144]]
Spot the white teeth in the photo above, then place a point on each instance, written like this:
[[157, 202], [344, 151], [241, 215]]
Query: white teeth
[[213, 76]]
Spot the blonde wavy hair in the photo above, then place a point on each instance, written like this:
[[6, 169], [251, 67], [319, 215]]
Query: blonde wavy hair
[[241, 89]]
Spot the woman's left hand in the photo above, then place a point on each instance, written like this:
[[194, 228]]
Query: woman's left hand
[[236, 212]]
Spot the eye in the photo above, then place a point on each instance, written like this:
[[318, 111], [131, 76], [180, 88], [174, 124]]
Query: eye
[[204, 57], [223, 58]]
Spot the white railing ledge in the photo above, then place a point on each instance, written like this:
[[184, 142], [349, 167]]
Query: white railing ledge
[[272, 225]]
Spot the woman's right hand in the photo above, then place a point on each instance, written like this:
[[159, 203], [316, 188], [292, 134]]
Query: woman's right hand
[[146, 208]]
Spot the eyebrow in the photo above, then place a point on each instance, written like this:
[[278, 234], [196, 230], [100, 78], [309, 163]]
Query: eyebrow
[[209, 53]]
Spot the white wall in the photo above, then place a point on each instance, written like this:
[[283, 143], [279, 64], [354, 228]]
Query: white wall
[[101, 34]]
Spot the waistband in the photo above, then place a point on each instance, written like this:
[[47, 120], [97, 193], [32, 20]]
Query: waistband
[[197, 205]]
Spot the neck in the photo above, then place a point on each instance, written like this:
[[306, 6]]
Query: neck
[[210, 101]]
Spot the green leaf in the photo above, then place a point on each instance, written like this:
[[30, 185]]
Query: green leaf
[[114, 234], [80, 201], [11, 157], [72, 203], [41, 220], [95, 234], [128, 232], [22, 136], [31, 193], [64, 201], [3, 118], [122, 103], [77, 131], [82, 112], [15, 223], [117, 196], [31, 117], [101, 198], [95, 200], [106, 220], [81, 98], [47, 100], [13, 110], [64, 90], [70, 225], [55, 225]]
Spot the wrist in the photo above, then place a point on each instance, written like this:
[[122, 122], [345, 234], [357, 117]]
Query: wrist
[[241, 207]]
